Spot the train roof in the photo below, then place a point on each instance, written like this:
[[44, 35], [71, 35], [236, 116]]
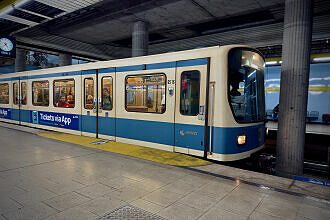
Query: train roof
[[157, 58]]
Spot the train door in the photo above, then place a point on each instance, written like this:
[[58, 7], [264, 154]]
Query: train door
[[191, 87], [89, 103], [24, 113], [106, 104], [15, 108]]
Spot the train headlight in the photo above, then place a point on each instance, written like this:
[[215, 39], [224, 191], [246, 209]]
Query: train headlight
[[241, 139]]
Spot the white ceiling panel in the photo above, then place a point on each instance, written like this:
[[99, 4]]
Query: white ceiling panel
[[172, 15], [266, 3], [221, 8], [102, 32], [69, 5], [19, 20]]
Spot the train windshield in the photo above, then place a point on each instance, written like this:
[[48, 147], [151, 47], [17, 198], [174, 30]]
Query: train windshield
[[246, 85]]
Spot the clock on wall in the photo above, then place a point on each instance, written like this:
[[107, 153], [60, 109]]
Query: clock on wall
[[7, 47]]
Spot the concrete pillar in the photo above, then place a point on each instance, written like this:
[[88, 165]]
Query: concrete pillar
[[65, 59], [294, 87], [20, 60], [140, 39]]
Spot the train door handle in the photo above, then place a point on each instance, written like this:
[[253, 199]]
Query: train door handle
[[94, 104], [100, 105], [201, 115]]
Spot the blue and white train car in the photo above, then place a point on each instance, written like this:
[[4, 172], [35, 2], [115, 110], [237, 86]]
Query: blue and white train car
[[206, 102]]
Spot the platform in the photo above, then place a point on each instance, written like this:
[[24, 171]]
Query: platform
[[43, 178], [311, 128]]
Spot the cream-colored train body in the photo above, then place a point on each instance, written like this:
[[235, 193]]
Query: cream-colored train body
[[207, 101]]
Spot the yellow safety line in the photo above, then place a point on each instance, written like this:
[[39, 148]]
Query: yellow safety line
[[272, 89], [273, 59], [319, 55], [159, 156], [311, 89], [319, 88]]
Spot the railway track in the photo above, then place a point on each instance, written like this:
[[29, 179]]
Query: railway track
[[316, 158]]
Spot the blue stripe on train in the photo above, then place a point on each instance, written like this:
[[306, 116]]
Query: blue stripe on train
[[224, 139], [165, 65], [195, 62], [26, 116], [130, 68], [107, 126], [107, 70], [189, 136], [73, 73], [88, 124], [151, 131], [15, 114], [87, 72], [181, 135]]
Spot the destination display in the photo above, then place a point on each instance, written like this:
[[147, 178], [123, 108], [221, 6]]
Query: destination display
[[60, 120]]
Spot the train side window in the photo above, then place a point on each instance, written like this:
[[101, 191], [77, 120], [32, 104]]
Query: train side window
[[40, 93], [146, 93], [189, 94], [89, 93], [4, 93], [107, 93], [64, 93], [15, 94], [23, 91]]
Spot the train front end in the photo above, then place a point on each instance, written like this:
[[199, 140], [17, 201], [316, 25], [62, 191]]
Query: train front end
[[241, 122]]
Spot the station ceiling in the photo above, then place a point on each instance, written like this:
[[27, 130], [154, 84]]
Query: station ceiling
[[101, 29]]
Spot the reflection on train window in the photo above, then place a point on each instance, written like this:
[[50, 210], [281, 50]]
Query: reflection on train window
[[40, 93], [246, 85], [146, 93], [89, 93], [64, 93], [189, 98], [107, 93], [16, 95], [23, 93], [4, 93]]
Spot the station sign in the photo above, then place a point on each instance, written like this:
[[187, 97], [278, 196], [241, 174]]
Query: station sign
[[7, 46]]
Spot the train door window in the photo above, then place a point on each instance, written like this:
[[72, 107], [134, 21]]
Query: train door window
[[23, 91], [189, 94], [146, 93], [89, 93], [4, 93], [40, 93], [64, 93], [107, 93], [15, 94]]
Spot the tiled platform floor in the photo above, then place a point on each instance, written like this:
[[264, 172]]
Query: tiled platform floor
[[47, 179]]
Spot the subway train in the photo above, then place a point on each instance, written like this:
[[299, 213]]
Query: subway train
[[207, 102], [318, 107]]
